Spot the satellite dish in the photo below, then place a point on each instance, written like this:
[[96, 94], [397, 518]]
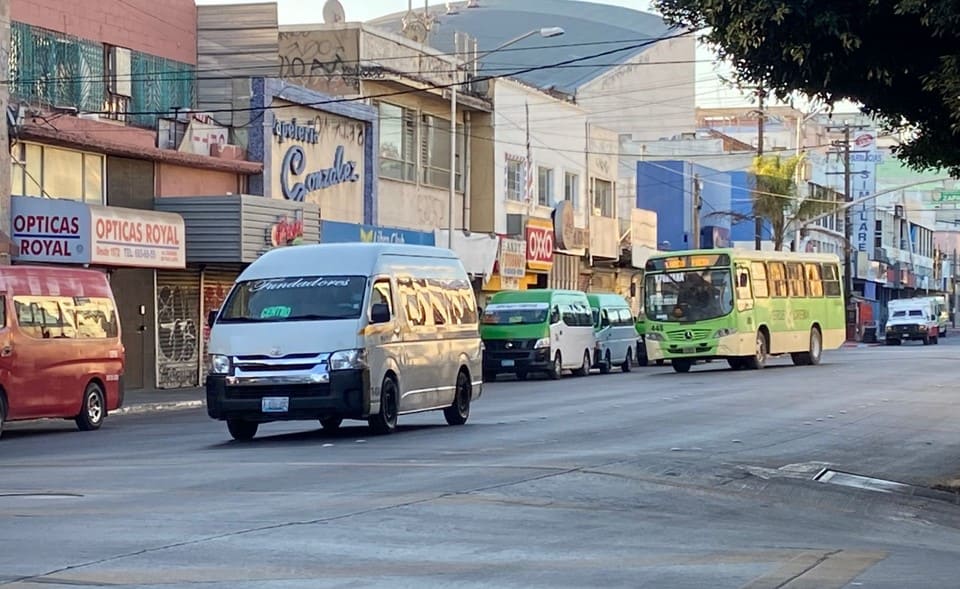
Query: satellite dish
[[333, 12]]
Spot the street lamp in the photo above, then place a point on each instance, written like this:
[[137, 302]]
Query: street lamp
[[546, 33]]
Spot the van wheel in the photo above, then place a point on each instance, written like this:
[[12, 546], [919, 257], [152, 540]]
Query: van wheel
[[556, 371], [936, 339], [385, 422], [584, 369], [459, 412], [926, 340], [93, 409], [242, 430], [607, 363], [331, 423], [627, 365]]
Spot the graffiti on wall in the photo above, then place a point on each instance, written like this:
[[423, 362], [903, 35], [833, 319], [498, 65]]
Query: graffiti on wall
[[178, 353], [327, 61]]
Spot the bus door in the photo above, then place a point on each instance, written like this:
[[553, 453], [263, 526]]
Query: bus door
[[744, 293]]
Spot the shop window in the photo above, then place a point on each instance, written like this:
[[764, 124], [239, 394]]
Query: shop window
[[603, 203], [33, 170], [545, 186], [435, 152], [63, 173], [514, 179], [398, 143]]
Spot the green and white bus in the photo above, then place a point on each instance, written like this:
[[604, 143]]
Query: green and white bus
[[742, 306]]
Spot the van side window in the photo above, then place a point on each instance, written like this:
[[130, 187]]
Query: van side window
[[439, 304], [626, 317], [584, 315], [96, 318], [554, 315], [382, 294], [46, 317], [407, 298]]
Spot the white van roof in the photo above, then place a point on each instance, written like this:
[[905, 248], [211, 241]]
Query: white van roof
[[334, 259]]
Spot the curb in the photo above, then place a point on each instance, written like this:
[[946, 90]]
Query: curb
[[142, 408]]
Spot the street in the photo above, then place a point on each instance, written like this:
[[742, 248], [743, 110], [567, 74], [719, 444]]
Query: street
[[649, 479]]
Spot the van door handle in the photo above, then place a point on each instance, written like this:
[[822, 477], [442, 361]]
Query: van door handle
[[6, 351]]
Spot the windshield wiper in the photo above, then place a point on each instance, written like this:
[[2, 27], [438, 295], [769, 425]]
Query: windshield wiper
[[313, 317]]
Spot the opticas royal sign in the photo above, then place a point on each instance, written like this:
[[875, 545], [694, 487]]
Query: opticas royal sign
[[47, 230]]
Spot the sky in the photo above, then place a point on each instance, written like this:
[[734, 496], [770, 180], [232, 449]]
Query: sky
[[710, 91]]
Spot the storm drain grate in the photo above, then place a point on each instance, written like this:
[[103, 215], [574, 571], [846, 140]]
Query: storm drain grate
[[856, 481]]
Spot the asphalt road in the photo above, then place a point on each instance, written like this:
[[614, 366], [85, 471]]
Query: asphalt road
[[649, 479]]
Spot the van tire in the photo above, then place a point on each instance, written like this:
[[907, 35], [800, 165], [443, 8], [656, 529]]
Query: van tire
[[926, 340], [627, 365], [3, 412], [936, 339], [606, 364], [93, 408], [584, 369], [242, 430], [556, 371], [459, 412], [331, 424], [385, 421]]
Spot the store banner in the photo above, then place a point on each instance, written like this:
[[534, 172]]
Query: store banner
[[512, 262], [337, 232]]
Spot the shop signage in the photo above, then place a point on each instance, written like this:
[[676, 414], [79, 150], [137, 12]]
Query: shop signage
[[513, 258], [287, 231], [295, 181], [567, 235], [540, 244], [70, 232], [336, 232]]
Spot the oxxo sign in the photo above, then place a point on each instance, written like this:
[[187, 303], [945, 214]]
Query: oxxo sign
[[70, 232], [296, 182], [540, 240]]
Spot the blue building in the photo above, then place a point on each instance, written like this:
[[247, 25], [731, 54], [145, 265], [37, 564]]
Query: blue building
[[667, 187]]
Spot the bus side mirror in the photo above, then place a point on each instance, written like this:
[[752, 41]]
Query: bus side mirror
[[379, 314], [211, 318]]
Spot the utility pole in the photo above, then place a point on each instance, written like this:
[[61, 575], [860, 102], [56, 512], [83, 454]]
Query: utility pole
[[696, 213], [847, 228], [757, 220]]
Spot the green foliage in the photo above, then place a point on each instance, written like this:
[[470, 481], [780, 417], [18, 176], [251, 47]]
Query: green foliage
[[898, 58]]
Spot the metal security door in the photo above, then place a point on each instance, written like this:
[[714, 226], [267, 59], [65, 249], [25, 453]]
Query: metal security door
[[178, 329]]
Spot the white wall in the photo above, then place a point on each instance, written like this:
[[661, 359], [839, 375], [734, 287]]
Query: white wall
[[558, 140], [646, 97]]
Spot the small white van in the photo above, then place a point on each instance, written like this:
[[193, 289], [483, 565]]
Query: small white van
[[912, 319], [345, 331]]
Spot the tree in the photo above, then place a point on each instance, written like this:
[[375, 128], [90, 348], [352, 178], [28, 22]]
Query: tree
[[776, 200], [898, 58]]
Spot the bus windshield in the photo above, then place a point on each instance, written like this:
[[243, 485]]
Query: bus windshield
[[515, 314], [692, 295]]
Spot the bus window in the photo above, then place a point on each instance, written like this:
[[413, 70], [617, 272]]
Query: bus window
[[814, 282], [831, 280], [761, 289], [778, 279], [798, 286], [743, 285]]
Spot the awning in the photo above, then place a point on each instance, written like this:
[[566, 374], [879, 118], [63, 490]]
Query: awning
[[477, 251]]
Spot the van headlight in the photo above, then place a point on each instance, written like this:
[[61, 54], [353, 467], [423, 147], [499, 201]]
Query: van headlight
[[219, 364], [655, 336], [348, 360], [542, 343], [724, 332]]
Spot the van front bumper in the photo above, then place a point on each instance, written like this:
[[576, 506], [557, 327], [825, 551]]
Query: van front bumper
[[347, 395], [514, 362]]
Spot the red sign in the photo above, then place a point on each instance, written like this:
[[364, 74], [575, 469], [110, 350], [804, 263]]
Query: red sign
[[864, 140], [539, 246], [287, 231]]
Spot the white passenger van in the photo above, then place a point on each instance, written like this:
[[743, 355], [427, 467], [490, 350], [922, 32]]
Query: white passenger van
[[912, 319], [345, 331]]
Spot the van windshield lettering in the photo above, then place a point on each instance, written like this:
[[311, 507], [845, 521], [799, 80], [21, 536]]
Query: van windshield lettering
[[515, 314], [295, 298]]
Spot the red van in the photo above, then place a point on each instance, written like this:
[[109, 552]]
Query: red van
[[60, 349]]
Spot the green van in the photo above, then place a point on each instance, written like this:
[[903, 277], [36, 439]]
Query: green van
[[539, 330]]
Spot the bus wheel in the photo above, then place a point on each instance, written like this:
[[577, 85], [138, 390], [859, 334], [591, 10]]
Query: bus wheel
[[93, 409], [242, 430], [557, 369], [681, 365], [735, 363], [459, 412], [661, 362], [627, 365], [385, 422], [759, 358], [606, 364]]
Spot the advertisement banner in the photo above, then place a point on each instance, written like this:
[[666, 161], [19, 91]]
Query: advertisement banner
[[337, 232]]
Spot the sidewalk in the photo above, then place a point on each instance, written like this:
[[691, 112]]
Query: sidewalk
[[150, 401]]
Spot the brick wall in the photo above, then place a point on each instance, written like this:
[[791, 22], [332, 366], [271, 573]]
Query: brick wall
[[167, 28]]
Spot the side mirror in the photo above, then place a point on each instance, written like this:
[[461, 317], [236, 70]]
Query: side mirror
[[379, 313], [605, 322], [212, 318]]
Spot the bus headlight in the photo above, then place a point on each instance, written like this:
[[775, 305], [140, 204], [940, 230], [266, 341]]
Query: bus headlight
[[542, 343], [655, 336], [725, 332], [219, 364], [348, 360]]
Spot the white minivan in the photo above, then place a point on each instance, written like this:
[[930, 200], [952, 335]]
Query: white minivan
[[345, 331]]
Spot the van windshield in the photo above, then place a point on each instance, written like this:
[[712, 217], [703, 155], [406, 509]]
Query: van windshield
[[295, 298], [515, 314], [916, 313]]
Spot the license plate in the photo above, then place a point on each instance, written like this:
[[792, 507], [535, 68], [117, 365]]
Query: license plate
[[688, 350], [507, 363], [275, 404]]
